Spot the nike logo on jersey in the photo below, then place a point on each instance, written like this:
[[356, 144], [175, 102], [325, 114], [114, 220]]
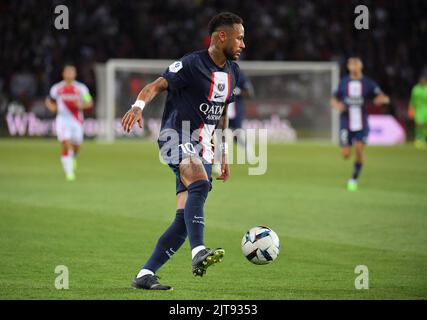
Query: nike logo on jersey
[[218, 96]]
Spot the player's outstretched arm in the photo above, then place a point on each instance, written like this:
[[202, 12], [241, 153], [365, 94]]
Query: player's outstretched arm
[[148, 93], [51, 104], [225, 168]]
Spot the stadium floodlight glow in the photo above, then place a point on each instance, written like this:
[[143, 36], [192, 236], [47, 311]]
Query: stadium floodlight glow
[[302, 86]]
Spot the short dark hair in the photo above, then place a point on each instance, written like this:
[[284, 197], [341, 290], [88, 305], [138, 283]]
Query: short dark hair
[[223, 19]]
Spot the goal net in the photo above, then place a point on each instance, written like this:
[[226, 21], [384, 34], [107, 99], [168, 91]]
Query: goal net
[[291, 99]]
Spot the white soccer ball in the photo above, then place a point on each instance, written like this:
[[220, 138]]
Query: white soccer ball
[[260, 245]]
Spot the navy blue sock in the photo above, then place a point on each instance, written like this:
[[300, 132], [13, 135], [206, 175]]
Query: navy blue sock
[[356, 170], [194, 215], [169, 243]]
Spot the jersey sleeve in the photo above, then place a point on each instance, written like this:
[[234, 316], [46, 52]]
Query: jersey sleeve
[[374, 89], [178, 74], [84, 93], [237, 75]]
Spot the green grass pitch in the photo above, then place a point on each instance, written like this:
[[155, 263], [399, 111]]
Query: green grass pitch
[[104, 225]]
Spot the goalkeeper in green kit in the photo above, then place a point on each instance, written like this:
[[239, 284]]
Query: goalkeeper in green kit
[[418, 110]]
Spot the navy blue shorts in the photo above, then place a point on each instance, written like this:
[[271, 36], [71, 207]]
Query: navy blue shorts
[[173, 152], [347, 137]]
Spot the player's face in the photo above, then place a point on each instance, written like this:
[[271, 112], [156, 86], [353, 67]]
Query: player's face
[[354, 65], [234, 44], [69, 73]]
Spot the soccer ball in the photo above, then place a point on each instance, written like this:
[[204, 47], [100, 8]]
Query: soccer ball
[[260, 245]]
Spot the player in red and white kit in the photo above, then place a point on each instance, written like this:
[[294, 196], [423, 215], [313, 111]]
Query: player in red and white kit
[[68, 99]]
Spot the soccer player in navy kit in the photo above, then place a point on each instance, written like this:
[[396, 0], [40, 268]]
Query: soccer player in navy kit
[[350, 100], [200, 87]]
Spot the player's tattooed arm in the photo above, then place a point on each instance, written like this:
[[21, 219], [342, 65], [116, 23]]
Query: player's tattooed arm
[[51, 104], [337, 104], [151, 90], [147, 94]]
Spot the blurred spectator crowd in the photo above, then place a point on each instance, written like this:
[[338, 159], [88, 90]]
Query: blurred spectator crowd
[[32, 51]]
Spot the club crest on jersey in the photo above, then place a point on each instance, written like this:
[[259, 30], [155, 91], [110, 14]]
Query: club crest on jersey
[[175, 67], [220, 87]]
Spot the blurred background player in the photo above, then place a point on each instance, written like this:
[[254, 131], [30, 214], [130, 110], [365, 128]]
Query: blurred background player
[[350, 100], [236, 114], [418, 110], [68, 99]]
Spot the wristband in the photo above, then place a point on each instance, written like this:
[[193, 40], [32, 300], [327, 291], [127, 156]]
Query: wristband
[[139, 104]]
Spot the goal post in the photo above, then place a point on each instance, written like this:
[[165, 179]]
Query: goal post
[[288, 96]]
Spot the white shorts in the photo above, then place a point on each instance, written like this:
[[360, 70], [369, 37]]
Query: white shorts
[[69, 129]]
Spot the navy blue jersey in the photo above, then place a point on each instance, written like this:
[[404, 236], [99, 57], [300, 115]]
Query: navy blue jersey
[[355, 95], [198, 91]]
